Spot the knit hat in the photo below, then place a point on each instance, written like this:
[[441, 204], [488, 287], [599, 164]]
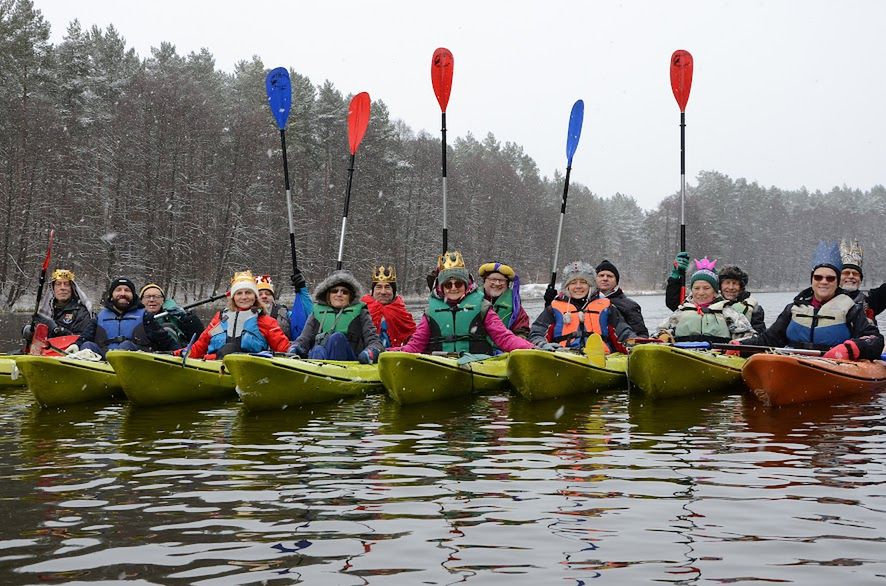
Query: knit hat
[[705, 270], [733, 272], [578, 270], [243, 280], [608, 266], [851, 254], [263, 282], [381, 274], [141, 292], [827, 254], [451, 265], [497, 267], [121, 281], [513, 278]]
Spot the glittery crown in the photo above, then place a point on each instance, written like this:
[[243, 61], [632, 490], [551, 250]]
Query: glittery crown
[[705, 264], [384, 275], [851, 253], [62, 275], [450, 260], [243, 276], [264, 282]]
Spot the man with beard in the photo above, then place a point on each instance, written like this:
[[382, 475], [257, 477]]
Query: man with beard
[[124, 324], [874, 301]]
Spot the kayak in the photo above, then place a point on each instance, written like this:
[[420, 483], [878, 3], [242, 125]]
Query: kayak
[[420, 378], [278, 383], [541, 374], [64, 381], [661, 371], [784, 379], [9, 374], [162, 379]]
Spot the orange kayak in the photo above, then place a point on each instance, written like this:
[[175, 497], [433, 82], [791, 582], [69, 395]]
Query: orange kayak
[[778, 379]]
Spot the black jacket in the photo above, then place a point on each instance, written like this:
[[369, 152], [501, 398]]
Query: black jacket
[[69, 319], [873, 302], [630, 311]]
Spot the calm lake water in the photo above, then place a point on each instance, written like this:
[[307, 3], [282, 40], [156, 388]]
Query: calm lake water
[[713, 489]]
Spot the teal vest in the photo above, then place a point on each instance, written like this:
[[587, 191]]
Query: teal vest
[[745, 307], [337, 320], [458, 328], [708, 326], [504, 306]]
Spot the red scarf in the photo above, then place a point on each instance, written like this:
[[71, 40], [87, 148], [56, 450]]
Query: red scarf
[[400, 323]]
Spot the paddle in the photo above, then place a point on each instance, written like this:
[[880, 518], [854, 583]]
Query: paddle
[[595, 351], [441, 78], [195, 304], [681, 83], [573, 133], [187, 349], [279, 90], [40, 284], [358, 120], [743, 348]]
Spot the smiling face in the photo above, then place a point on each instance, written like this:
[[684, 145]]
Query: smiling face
[[702, 292], [62, 290], [152, 299], [730, 288], [606, 281], [338, 297], [266, 297], [578, 288], [121, 297], [244, 299], [383, 293], [494, 284], [453, 289], [850, 279], [824, 284]]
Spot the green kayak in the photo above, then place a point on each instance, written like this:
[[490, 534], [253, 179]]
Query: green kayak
[[9, 374], [541, 374], [419, 378], [161, 379], [56, 380], [661, 371], [278, 383]]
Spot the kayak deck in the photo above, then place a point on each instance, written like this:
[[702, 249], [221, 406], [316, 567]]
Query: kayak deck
[[665, 371], [59, 381], [277, 383], [162, 379], [541, 374], [10, 376], [778, 379], [420, 378]]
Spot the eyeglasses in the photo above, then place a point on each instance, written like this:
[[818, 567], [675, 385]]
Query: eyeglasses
[[152, 297], [497, 281], [850, 273], [453, 285], [340, 291], [825, 278]]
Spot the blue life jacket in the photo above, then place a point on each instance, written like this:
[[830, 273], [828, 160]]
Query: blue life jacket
[[823, 328], [120, 328], [250, 339]]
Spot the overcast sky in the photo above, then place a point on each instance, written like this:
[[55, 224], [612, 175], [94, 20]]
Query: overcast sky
[[785, 93]]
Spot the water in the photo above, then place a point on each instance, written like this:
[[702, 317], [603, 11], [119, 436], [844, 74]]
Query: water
[[713, 489]]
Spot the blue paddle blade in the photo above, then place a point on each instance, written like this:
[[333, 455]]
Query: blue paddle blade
[[279, 91], [575, 119]]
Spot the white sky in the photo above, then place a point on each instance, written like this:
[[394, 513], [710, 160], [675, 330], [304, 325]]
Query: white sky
[[786, 93]]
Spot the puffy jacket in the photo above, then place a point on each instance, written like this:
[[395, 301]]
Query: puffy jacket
[[618, 331], [630, 311], [270, 330]]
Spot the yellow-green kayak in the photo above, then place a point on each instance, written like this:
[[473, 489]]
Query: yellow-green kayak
[[58, 380], [660, 371], [541, 374], [10, 376], [161, 379], [278, 383], [419, 378]]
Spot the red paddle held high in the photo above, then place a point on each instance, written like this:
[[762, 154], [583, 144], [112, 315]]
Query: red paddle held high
[[681, 83], [442, 64], [358, 121]]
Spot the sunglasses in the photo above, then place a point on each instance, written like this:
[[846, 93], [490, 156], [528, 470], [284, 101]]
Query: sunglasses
[[825, 278], [453, 285], [340, 291]]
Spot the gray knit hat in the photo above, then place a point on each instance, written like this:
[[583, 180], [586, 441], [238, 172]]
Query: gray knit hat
[[578, 270]]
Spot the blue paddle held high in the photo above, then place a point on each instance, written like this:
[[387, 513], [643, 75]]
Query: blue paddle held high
[[279, 90], [576, 118]]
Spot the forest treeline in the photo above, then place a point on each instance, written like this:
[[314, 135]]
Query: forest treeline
[[165, 168]]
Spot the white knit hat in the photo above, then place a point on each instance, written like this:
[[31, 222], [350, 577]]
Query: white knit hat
[[243, 280]]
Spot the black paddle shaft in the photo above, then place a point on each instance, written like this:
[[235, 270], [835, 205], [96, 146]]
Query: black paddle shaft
[[288, 201]]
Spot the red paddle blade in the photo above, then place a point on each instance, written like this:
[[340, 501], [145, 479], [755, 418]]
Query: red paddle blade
[[441, 75], [48, 250], [681, 77], [358, 120], [38, 341]]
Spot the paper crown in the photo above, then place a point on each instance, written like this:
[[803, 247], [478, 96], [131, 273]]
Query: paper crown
[[705, 264], [827, 254], [62, 275], [384, 275], [851, 253], [264, 282], [450, 260], [496, 267]]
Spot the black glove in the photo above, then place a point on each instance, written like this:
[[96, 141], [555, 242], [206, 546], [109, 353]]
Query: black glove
[[298, 280], [150, 323], [550, 295]]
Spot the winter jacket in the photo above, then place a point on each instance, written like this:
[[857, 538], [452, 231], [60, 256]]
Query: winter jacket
[[868, 301], [629, 309], [274, 337], [756, 317], [789, 330], [877, 299], [298, 315], [618, 330], [280, 312], [182, 325], [112, 327], [718, 322], [393, 322], [72, 318]]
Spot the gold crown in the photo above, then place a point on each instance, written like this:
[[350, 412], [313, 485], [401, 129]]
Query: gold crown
[[851, 253], [264, 282], [450, 260], [384, 275], [243, 276], [62, 275]]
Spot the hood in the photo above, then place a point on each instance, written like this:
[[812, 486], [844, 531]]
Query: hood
[[341, 277]]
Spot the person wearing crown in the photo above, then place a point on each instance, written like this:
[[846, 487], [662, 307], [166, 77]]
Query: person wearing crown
[[458, 318], [244, 326], [340, 327], [705, 316], [67, 310], [268, 298], [392, 320], [851, 276], [823, 317], [574, 314], [501, 287]]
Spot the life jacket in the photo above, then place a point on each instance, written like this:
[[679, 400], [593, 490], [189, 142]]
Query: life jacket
[[821, 329], [248, 339], [339, 320], [745, 307], [504, 306], [458, 328], [170, 323], [572, 325], [120, 328], [702, 324]]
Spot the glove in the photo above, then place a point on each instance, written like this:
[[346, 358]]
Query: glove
[[368, 356], [666, 337], [550, 346], [150, 322], [72, 348], [681, 263], [298, 280], [27, 332], [845, 351], [733, 352], [297, 350], [550, 295]]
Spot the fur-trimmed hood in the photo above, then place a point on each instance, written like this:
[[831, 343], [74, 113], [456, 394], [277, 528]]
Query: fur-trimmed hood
[[341, 277]]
